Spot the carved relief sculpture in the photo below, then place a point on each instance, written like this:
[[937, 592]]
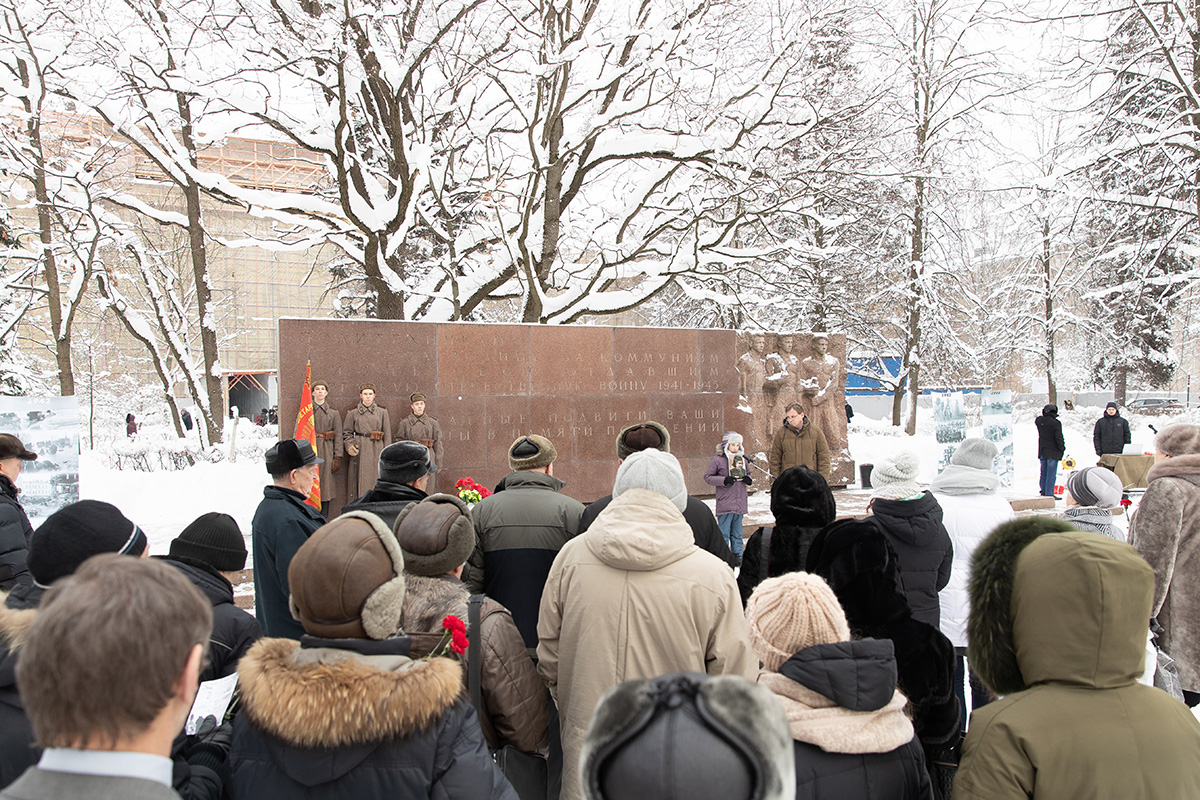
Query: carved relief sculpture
[[770, 382]]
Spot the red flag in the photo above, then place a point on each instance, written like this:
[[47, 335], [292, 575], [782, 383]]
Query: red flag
[[305, 430]]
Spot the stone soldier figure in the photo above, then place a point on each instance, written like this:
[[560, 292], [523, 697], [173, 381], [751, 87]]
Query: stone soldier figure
[[760, 390], [368, 429], [327, 422], [820, 376], [420, 427]]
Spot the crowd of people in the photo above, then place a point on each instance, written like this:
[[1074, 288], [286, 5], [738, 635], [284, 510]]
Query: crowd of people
[[531, 646]]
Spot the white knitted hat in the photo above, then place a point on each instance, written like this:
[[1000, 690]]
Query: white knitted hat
[[895, 478], [792, 612], [655, 471]]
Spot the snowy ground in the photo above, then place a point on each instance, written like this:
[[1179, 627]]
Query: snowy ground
[[163, 503]]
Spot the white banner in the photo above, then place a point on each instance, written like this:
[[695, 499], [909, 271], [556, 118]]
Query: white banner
[[49, 426]]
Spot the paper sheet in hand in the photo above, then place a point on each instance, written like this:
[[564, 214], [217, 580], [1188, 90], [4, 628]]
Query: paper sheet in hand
[[212, 699]]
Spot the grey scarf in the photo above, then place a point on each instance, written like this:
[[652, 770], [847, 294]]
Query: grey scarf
[[956, 479]]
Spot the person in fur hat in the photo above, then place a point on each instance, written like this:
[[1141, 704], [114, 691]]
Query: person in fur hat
[[850, 735], [729, 474], [519, 531], [860, 565], [966, 492], [687, 735], [802, 504], [404, 471], [346, 712], [1166, 531], [437, 536], [911, 519], [1058, 630]]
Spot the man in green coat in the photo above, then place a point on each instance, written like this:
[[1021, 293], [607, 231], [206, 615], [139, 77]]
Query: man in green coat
[[1058, 629], [798, 443]]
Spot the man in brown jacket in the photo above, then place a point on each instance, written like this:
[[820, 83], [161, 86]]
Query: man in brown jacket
[[327, 422], [798, 443], [420, 427], [367, 431], [436, 536]]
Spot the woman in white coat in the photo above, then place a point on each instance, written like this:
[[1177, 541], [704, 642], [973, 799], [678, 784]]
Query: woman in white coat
[[966, 491]]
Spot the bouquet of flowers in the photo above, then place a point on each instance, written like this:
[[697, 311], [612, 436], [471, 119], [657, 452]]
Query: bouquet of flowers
[[454, 640], [471, 492]]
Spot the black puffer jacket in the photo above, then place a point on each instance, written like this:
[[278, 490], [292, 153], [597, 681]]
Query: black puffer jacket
[[15, 531], [802, 505], [17, 752], [1051, 444], [386, 500], [698, 516], [858, 749], [859, 564], [915, 530], [356, 719], [1111, 432], [234, 630]]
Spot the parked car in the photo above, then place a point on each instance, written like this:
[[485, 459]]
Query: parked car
[[1154, 404]]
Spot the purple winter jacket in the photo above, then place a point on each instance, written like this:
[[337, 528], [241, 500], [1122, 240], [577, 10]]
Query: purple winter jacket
[[730, 499]]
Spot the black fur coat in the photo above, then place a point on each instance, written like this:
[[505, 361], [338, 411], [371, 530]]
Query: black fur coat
[[860, 566]]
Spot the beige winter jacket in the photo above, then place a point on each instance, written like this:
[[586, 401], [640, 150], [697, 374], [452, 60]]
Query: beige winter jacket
[[634, 597]]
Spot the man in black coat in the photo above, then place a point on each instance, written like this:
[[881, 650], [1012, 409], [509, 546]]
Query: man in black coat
[[1111, 433], [15, 529], [698, 516], [70, 536], [1051, 447], [209, 551], [404, 469], [281, 524]]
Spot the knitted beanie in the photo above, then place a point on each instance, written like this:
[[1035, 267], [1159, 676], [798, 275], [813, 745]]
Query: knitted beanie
[[531, 452], [1178, 439], [655, 471], [895, 477], [976, 453], [215, 539], [641, 436], [791, 612], [1095, 486], [75, 533]]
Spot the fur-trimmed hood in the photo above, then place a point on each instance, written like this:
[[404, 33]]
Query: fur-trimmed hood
[[14, 623], [326, 697], [647, 733], [1052, 604]]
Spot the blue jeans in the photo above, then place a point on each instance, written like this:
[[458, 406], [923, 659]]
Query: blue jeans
[[1049, 475], [731, 529]]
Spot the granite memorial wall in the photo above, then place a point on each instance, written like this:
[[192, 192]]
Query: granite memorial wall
[[488, 384]]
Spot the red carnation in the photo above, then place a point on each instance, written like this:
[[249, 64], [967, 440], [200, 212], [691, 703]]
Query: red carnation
[[458, 642], [454, 624], [1125, 501]]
